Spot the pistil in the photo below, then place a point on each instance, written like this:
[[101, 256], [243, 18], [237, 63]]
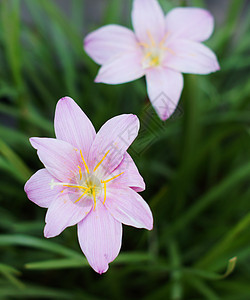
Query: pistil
[[87, 182], [154, 53]]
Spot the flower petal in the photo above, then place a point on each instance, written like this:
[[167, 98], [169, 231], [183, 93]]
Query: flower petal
[[129, 208], [100, 238], [191, 57], [108, 41], [148, 20], [59, 157], [38, 188], [196, 24], [112, 141], [73, 126], [63, 213], [164, 90], [123, 68], [131, 176]]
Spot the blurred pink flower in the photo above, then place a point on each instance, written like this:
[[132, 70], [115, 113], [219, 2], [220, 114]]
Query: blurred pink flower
[[161, 48], [90, 180]]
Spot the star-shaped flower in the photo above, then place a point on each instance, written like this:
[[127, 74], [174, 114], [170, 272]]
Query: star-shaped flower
[[161, 48], [90, 180]]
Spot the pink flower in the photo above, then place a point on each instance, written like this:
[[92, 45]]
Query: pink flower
[[161, 48], [90, 180]]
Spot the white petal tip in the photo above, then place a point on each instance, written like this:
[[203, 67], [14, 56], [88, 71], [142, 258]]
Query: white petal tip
[[101, 270], [33, 142], [136, 119], [208, 14], [97, 79], [164, 118], [46, 233], [26, 188], [86, 42], [150, 223], [66, 98], [150, 227], [47, 236], [217, 67]]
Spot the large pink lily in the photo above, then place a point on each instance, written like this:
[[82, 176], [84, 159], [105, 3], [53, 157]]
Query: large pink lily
[[90, 180]]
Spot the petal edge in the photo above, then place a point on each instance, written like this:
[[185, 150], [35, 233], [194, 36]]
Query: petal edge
[[72, 125], [108, 41], [121, 69], [100, 238], [191, 23], [129, 208], [148, 20], [164, 88], [38, 188]]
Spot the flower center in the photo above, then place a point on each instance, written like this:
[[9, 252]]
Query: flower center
[[154, 53], [86, 183], [91, 184]]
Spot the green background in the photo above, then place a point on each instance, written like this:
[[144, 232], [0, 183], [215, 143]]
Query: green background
[[196, 165]]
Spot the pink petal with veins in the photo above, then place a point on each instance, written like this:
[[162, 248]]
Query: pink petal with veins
[[148, 20], [164, 90], [191, 23], [113, 40], [100, 237], [73, 126]]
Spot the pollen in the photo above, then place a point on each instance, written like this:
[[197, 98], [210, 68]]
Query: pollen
[[86, 183], [154, 53]]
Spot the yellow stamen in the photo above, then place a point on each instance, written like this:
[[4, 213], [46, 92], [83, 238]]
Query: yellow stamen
[[86, 166], [169, 50], [147, 55], [145, 45], [151, 38], [80, 172], [93, 192], [164, 39], [105, 181], [154, 61], [98, 165], [105, 193], [81, 196], [75, 186]]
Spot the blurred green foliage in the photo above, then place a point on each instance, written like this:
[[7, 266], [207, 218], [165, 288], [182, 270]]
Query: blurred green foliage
[[196, 165]]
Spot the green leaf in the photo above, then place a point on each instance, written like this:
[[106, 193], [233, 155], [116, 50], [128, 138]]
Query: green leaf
[[242, 173], [58, 264], [34, 292], [10, 274], [225, 243], [203, 288], [28, 241], [123, 258], [212, 275], [22, 172], [10, 18]]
